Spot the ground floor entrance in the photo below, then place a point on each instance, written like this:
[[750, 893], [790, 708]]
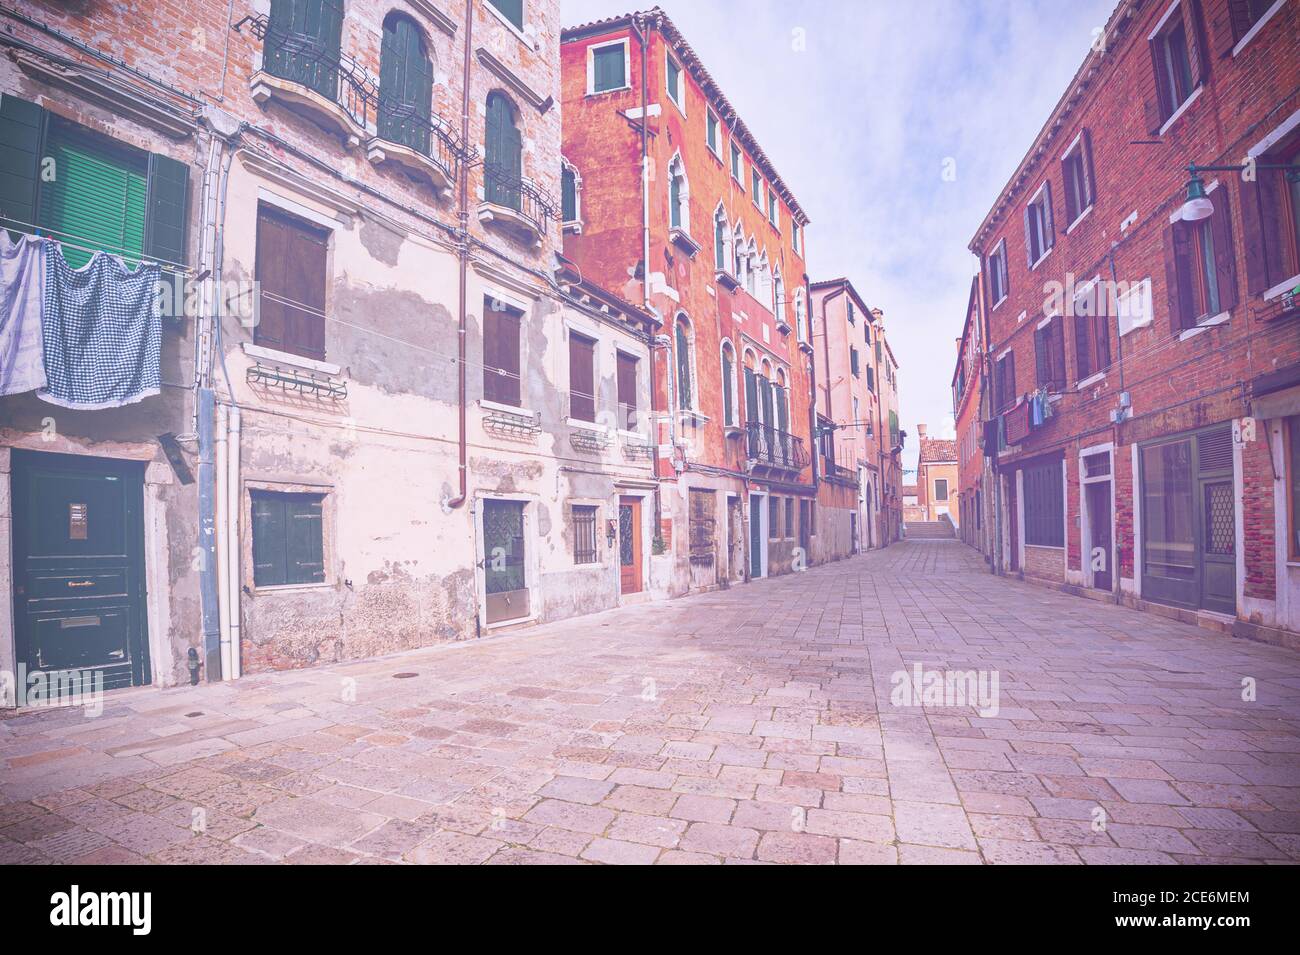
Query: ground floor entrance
[[79, 601]]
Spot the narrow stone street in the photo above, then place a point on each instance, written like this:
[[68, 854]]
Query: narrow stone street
[[753, 724]]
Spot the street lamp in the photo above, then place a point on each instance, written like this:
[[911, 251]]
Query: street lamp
[[1198, 205]]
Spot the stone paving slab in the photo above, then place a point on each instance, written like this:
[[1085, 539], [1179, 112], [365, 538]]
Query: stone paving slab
[[763, 724]]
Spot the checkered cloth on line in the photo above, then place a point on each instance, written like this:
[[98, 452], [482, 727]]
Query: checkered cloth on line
[[103, 333]]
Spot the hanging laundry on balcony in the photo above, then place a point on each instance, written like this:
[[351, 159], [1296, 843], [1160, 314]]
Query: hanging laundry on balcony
[[22, 283], [102, 331]]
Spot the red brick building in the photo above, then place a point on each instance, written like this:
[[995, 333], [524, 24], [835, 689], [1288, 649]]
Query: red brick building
[[1144, 350], [711, 239], [968, 413]]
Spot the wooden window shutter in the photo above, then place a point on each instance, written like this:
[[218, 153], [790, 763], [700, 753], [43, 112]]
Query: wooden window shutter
[[507, 354], [1089, 177], [1049, 224], [1178, 277], [304, 546], [1029, 238], [1225, 255], [1223, 33], [1196, 59], [1261, 211], [166, 203], [728, 406], [270, 557], [270, 274], [22, 142], [1041, 361], [627, 381], [582, 378], [683, 368], [1002, 268], [291, 264], [1101, 340], [1082, 347], [1157, 109], [1057, 350]]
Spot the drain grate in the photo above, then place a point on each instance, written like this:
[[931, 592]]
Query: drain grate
[[404, 676]]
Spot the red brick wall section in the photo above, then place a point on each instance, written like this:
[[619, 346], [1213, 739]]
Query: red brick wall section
[[1258, 527], [1124, 486]]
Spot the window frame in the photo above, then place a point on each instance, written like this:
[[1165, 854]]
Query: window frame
[[324, 496], [1046, 529], [1077, 179], [998, 274], [737, 163], [499, 398], [712, 124], [678, 100], [591, 66], [756, 187], [589, 517], [1040, 232]]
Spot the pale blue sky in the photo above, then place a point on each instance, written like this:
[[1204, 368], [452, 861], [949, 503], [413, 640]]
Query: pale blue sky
[[860, 122]]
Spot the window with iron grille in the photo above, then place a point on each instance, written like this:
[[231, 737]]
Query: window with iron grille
[[773, 518], [1044, 505], [583, 521]]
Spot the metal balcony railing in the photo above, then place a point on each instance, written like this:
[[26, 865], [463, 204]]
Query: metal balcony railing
[[773, 448], [303, 59], [504, 188]]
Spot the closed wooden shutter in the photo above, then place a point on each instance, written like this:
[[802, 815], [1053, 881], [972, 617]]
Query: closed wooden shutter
[[751, 395], [166, 205], [582, 377], [1157, 109], [405, 84], [303, 42], [684, 394], [291, 272], [512, 10], [1042, 367], [1049, 218], [96, 197], [728, 398], [22, 143], [1178, 275], [1262, 204], [627, 365], [503, 153], [1225, 254], [501, 353], [568, 195], [1083, 361], [288, 539]]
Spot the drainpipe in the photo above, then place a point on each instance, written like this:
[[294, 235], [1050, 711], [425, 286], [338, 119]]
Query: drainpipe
[[812, 388], [231, 529], [223, 525], [462, 253]]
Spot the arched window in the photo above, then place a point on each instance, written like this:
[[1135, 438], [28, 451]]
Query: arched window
[[405, 84], [763, 281], [685, 380], [679, 195], [302, 43], [570, 193], [800, 314], [503, 153], [728, 384], [721, 240]]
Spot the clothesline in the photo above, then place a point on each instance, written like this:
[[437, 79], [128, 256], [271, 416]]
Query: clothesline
[[42, 232]]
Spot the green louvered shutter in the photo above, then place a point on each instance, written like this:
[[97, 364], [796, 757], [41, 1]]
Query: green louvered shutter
[[512, 10], [503, 154], [22, 138], [167, 201], [405, 85], [751, 396], [95, 198], [303, 42]]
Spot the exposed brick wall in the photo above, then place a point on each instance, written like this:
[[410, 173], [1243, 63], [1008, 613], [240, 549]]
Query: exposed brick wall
[[1044, 563], [1257, 523]]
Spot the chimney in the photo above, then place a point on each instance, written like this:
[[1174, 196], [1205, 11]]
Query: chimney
[[877, 314], [920, 431]]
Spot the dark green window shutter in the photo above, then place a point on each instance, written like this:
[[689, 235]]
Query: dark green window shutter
[[782, 412], [303, 42], [22, 141], [683, 369], [503, 153], [675, 202], [719, 244], [305, 544], [168, 200], [728, 411], [609, 68], [96, 197], [270, 564], [405, 84], [512, 10], [569, 195], [751, 396]]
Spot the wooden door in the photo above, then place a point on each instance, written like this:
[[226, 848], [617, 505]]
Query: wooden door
[[79, 566], [629, 545], [1099, 534]]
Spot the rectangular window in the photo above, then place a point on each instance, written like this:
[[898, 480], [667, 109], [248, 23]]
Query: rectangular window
[[941, 489], [1044, 505], [701, 526], [773, 518], [291, 269], [1200, 266], [1039, 235], [501, 352], [795, 233], [512, 10], [1176, 57], [568, 194], [1091, 330], [627, 414], [582, 378], [674, 83], [583, 520], [1049, 354], [609, 67], [1004, 381], [853, 361], [773, 215], [711, 130], [756, 187], [789, 517], [996, 269], [288, 538], [735, 162], [871, 379], [1076, 173]]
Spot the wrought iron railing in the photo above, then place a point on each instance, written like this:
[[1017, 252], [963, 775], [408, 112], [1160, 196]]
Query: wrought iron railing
[[767, 445], [838, 472], [503, 188], [303, 59]]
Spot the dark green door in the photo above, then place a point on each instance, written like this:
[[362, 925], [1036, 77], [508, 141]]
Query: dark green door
[[302, 43], [79, 566], [504, 572], [503, 159], [405, 84], [756, 535]]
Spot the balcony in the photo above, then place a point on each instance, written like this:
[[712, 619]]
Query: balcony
[[515, 204], [774, 450], [838, 473], [337, 93]]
